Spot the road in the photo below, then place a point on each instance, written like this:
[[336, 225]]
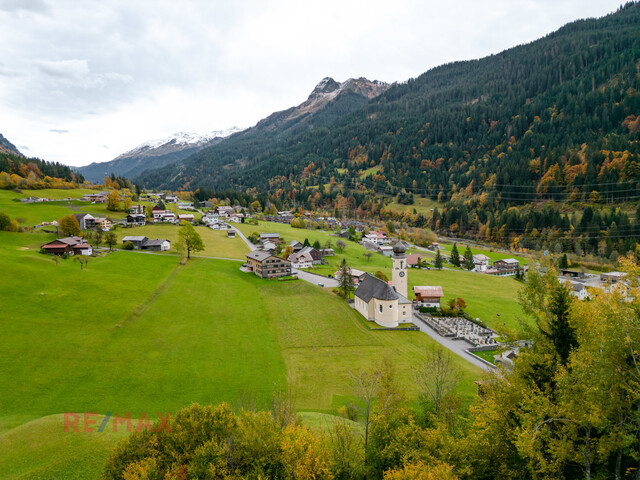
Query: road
[[315, 279]]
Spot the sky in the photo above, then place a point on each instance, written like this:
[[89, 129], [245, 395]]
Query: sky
[[83, 82]]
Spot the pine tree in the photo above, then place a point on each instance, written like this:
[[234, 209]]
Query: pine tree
[[454, 258], [346, 285], [438, 261], [564, 262], [469, 264]]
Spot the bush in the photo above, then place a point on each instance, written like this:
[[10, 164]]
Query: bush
[[128, 245]]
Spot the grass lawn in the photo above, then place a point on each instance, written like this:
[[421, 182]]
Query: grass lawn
[[216, 243], [487, 355], [30, 214], [135, 333]]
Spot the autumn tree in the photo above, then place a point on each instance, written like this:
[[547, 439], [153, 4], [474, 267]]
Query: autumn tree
[[340, 245], [69, 226], [188, 239], [437, 379], [113, 201]]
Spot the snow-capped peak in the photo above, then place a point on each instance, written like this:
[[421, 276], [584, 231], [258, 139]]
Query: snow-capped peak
[[185, 138]]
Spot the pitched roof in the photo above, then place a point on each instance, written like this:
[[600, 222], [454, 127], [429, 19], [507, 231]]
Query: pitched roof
[[259, 256], [134, 238], [427, 291], [155, 243], [480, 257], [372, 287], [413, 259], [508, 260]]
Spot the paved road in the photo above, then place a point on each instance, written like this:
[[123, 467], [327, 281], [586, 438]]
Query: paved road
[[251, 246], [456, 346], [315, 279]]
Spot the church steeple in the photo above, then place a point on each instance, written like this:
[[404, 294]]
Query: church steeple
[[399, 273]]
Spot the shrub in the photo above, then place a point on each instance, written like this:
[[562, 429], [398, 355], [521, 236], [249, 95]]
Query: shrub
[[128, 245]]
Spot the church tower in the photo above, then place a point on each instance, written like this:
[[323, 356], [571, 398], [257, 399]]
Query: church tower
[[399, 274]]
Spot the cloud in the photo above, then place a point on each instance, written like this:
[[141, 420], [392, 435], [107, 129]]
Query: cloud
[[33, 6], [71, 69], [56, 130]]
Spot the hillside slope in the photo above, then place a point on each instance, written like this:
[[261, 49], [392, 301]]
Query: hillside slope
[[551, 116]]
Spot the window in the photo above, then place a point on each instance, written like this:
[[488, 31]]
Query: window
[[380, 308]]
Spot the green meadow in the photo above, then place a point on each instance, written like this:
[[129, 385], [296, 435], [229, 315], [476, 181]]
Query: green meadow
[[141, 333]]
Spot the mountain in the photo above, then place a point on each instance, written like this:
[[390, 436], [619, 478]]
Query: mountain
[[154, 154], [328, 102], [7, 147], [543, 120]]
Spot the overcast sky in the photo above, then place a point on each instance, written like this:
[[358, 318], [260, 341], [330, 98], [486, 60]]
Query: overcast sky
[[82, 82]]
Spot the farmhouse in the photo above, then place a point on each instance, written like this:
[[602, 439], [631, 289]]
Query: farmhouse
[[386, 304], [481, 262], [136, 219], [69, 246], [85, 220], [187, 217], [137, 241], [103, 224], [315, 254], [427, 296], [301, 260], [267, 265], [136, 209], [156, 245]]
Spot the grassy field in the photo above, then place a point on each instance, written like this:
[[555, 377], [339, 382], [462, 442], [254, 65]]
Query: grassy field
[[216, 243], [134, 332]]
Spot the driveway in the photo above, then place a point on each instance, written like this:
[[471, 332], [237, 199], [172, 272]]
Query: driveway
[[315, 278]]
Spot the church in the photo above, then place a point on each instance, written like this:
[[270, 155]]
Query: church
[[385, 304]]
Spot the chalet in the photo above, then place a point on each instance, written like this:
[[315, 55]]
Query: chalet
[[69, 246], [267, 265], [356, 275], [156, 245], [315, 254], [296, 246], [481, 262], [412, 260], [378, 301], [85, 220], [379, 238], [136, 209], [506, 264], [236, 217], [612, 277], [103, 224], [136, 219], [428, 296], [138, 241], [225, 211], [163, 216], [187, 217], [301, 260]]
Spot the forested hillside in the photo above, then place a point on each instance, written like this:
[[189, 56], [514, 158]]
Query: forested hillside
[[20, 172]]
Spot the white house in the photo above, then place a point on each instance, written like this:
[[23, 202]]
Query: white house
[[481, 262], [301, 260]]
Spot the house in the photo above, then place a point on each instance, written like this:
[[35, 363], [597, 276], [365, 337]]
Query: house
[[481, 262], [267, 265], [301, 260], [136, 219], [381, 302], [506, 264], [315, 254], [211, 218], [296, 246], [327, 252], [103, 224], [427, 296], [136, 209], [171, 199], [379, 238], [156, 245], [412, 260], [185, 205], [138, 241], [236, 217], [386, 250], [577, 289], [187, 217], [69, 246], [95, 197], [356, 275], [163, 216], [85, 220], [612, 277], [273, 237], [225, 211], [344, 234], [568, 272], [29, 200], [268, 246]]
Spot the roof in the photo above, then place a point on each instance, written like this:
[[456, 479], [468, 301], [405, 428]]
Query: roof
[[296, 257], [155, 243], [413, 259], [614, 274], [269, 235], [372, 287], [259, 256], [134, 238], [508, 260], [480, 257], [427, 291], [294, 243], [80, 216]]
